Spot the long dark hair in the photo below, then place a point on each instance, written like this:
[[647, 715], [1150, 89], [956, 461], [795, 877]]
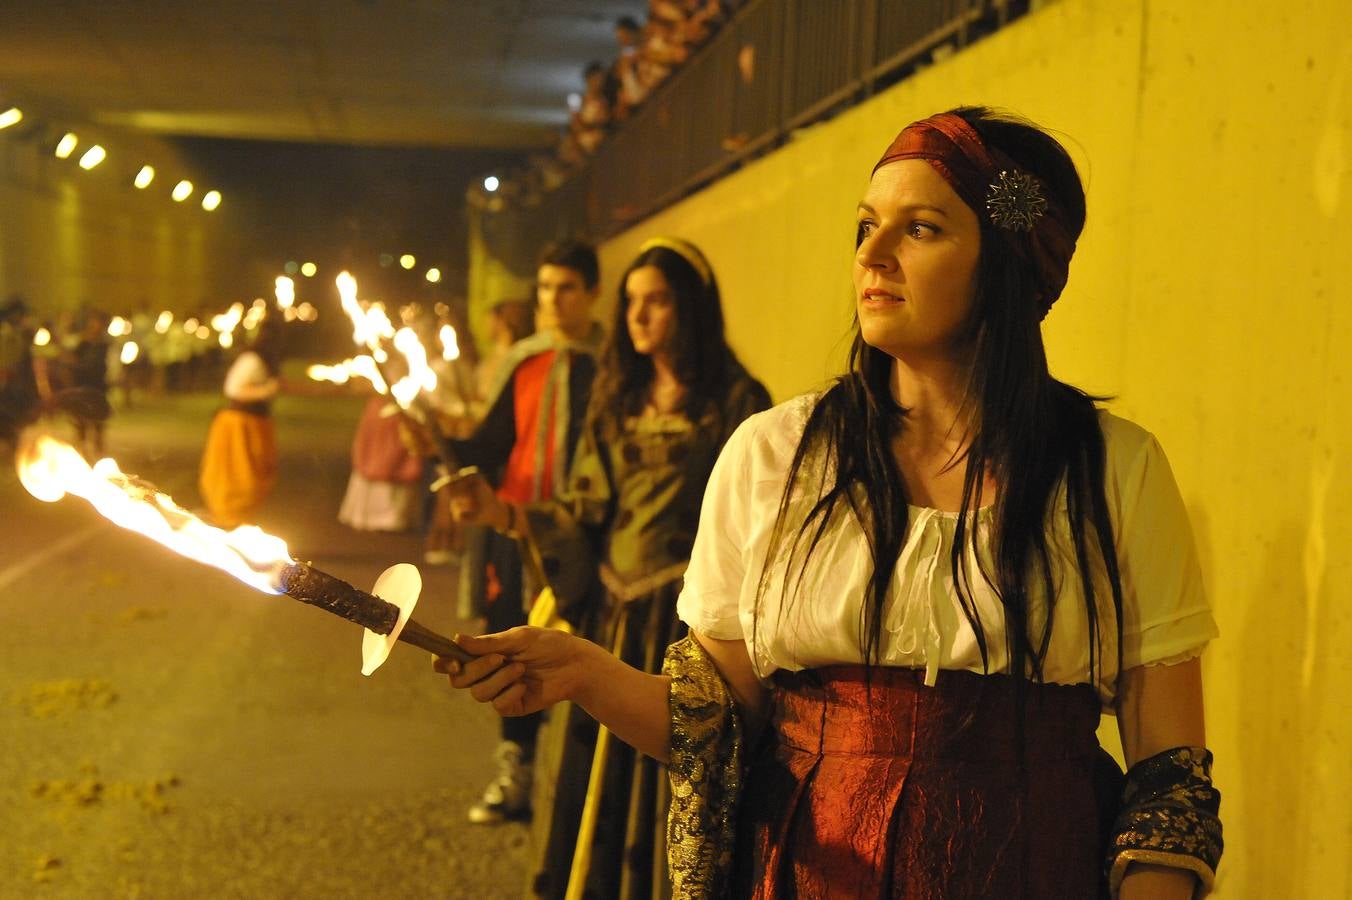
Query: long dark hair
[[1029, 431], [704, 362]]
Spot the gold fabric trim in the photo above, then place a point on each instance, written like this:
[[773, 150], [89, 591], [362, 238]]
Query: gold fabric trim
[[628, 591], [684, 249], [1159, 858], [705, 770], [1170, 816]]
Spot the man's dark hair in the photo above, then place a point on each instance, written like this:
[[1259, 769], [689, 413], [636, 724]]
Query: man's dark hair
[[626, 22], [576, 255]]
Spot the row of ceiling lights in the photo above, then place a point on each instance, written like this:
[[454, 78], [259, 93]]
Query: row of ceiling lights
[[95, 154], [407, 261]]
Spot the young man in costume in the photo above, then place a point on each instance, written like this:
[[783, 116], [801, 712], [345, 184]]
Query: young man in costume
[[525, 444]]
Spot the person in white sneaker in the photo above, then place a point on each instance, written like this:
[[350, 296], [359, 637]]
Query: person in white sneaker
[[524, 445], [613, 546]]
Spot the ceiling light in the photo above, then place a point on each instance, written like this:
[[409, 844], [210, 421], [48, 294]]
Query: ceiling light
[[434, 274], [66, 146], [491, 183], [211, 200], [182, 191], [144, 177], [92, 157], [11, 116], [408, 260], [308, 269]]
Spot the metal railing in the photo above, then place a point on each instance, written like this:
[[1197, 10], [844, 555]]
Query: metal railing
[[776, 66]]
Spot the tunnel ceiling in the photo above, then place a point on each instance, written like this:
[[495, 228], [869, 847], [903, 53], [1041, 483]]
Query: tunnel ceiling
[[454, 73]]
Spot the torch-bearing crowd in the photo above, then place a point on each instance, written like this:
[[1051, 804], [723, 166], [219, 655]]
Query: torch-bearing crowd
[[856, 644]]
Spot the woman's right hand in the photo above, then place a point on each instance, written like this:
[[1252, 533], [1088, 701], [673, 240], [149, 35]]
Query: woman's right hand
[[523, 670]]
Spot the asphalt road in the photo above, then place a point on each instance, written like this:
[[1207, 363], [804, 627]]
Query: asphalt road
[[168, 732]]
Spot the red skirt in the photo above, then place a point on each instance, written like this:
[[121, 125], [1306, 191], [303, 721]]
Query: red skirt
[[891, 789]]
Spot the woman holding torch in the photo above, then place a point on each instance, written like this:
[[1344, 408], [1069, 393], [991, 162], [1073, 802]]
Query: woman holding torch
[[923, 584], [239, 465], [613, 548]]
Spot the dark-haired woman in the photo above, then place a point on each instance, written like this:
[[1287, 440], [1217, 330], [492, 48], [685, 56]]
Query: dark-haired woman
[[613, 548], [239, 464], [927, 581]]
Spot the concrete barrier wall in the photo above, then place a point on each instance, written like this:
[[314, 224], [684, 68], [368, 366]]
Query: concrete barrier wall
[[71, 238], [1210, 294]]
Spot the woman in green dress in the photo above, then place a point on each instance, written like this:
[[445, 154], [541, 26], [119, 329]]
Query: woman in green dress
[[613, 548]]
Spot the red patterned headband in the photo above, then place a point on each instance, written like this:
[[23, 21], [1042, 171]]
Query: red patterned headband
[[986, 179]]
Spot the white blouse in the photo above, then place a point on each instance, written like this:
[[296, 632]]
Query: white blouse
[[1166, 617]]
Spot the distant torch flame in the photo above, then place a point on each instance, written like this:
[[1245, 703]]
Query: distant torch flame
[[420, 376], [50, 469], [370, 322], [450, 347], [360, 367], [284, 289]]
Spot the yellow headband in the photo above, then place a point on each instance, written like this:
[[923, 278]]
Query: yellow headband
[[686, 251]]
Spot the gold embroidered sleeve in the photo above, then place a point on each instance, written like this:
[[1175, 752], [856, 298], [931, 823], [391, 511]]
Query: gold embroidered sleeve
[[705, 770], [1170, 817]]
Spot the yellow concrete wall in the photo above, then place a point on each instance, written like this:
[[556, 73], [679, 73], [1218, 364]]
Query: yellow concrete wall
[[1210, 294], [489, 281], [70, 238]]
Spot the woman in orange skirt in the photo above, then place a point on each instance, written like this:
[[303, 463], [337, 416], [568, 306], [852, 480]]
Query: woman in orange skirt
[[239, 465]]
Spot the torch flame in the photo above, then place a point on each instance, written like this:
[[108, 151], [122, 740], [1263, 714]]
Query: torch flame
[[284, 289], [50, 469], [370, 322], [361, 367], [420, 376], [450, 347]]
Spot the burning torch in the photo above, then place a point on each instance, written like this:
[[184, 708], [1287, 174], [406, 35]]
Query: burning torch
[[371, 327], [50, 469]]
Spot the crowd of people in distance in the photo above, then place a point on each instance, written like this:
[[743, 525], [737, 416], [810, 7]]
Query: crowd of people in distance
[[63, 370], [83, 364], [648, 55]]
